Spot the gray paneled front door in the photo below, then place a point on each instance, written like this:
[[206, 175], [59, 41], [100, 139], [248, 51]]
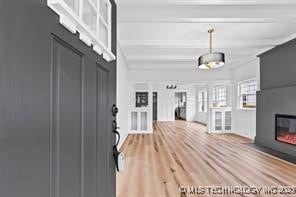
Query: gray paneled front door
[[56, 98]]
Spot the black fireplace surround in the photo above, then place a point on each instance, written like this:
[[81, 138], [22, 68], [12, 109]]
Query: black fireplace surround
[[285, 128]]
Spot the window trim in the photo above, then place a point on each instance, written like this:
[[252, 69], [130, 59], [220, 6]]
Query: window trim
[[239, 96], [74, 23], [203, 102]]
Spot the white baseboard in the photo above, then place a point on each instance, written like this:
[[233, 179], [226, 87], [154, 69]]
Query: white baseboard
[[122, 140], [243, 135], [140, 132]]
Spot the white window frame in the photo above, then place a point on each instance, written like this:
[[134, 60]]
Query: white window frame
[[220, 96], [73, 21], [202, 101], [250, 90]]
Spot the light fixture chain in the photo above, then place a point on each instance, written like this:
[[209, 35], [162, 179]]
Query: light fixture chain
[[211, 49]]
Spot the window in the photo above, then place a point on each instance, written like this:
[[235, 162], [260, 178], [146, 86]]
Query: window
[[247, 94], [91, 18], [219, 96], [105, 22], [202, 101]]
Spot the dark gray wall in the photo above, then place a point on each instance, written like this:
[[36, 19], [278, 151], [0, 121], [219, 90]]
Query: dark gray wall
[[277, 66], [269, 103], [277, 95], [56, 96]]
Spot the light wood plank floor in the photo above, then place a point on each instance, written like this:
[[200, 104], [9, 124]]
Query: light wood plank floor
[[181, 153]]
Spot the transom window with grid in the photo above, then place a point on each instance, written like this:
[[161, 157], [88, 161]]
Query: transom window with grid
[[91, 18], [219, 96], [247, 94], [202, 101], [96, 15]]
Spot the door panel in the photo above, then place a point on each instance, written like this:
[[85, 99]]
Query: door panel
[[67, 120], [102, 123], [79, 154], [90, 131]]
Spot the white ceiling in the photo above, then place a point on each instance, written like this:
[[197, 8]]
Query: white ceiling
[[161, 34]]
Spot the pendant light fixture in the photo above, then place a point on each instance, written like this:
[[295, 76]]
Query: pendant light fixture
[[212, 59]]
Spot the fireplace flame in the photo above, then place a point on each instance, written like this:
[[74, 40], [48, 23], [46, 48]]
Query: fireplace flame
[[288, 138]]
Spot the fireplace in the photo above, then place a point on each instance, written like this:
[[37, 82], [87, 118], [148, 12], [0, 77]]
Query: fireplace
[[285, 128]]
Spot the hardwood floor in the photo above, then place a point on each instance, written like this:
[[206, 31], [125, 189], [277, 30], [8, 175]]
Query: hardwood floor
[[182, 154]]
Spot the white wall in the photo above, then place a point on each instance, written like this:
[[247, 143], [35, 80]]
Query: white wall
[[244, 121], [201, 116], [166, 101], [175, 76], [122, 94], [191, 102]]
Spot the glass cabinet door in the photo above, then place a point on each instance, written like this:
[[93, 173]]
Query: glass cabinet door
[[218, 120], [228, 120], [143, 121], [134, 121]]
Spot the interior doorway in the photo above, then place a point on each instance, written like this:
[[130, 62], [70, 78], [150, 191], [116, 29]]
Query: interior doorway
[[180, 105]]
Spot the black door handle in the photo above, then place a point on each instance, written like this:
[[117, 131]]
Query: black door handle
[[116, 153], [114, 110], [114, 125]]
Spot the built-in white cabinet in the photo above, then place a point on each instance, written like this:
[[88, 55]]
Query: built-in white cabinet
[[219, 119], [138, 119], [140, 108]]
